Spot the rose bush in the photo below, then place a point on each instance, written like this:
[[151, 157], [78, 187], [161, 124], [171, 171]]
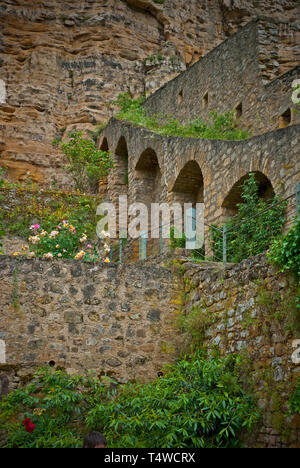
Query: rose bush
[[66, 241]]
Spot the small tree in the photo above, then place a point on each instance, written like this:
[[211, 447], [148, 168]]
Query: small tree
[[87, 164]]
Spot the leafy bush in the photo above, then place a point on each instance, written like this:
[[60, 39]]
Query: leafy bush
[[256, 225], [285, 251], [57, 404], [198, 403], [221, 126], [86, 164], [294, 401]]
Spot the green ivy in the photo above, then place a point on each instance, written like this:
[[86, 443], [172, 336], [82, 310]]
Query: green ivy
[[255, 227]]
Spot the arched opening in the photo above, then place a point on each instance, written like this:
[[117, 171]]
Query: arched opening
[[189, 187], [234, 197], [148, 189], [104, 145], [121, 165], [285, 119], [149, 178]]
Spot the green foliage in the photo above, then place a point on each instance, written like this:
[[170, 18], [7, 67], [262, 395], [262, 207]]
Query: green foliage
[[160, 2], [95, 134], [294, 401], [285, 251], [57, 404], [198, 403], [1, 180], [86, 164], [21, 207], [180, 242], [176, 242], [256, 225], [221, 126], [195, 325]]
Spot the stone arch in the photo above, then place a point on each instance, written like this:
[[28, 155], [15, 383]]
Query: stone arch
[[148, 185], [121, 164], [189, 184], [149, 178], [234, 195]]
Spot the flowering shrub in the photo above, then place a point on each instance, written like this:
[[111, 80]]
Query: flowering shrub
[[64, 242], [54, 405]]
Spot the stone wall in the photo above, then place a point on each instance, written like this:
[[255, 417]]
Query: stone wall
[[113, 318], [234, 77], [122, 319], [251, 310]]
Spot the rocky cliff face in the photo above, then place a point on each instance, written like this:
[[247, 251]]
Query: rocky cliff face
[[62, 62]]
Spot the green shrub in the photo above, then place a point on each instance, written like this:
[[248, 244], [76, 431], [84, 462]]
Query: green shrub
[[294, 401], [255, 227], [86, 164], [198, 403], [21, 207], [57, 404], [220, 126], [285, 251]]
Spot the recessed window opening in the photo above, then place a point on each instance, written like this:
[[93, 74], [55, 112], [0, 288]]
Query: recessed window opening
[[285, 119], [239, 111], [180, 97], [205, 101]]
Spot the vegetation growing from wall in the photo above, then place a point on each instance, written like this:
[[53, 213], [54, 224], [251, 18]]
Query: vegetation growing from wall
[[221, 126], [197, 403], [255, 227], [294, 401], [86, 164]]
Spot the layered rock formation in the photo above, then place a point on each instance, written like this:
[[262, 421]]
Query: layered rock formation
[[62, 62]]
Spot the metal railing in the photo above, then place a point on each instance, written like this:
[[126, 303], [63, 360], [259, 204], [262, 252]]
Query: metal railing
[[123, 249]]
